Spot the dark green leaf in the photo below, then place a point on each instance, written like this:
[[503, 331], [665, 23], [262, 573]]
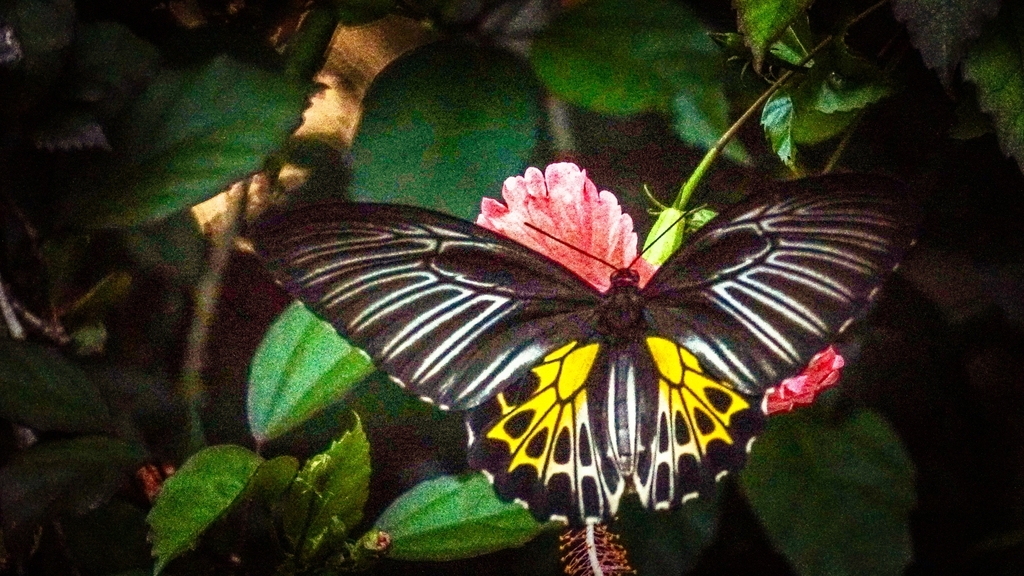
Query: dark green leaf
[[971, 122], [701, 113], [174, 244], [71, 130], [353, 12], [307, 49], [301, 367], [110, 540], [63, 477], [326, 499], [763, 21], [834, 497], [188, 137], [649, 55], [996, 66], [777, 120], [44, 25], [63, 256], [943, 29], [200, 492], [617, 71], [454, 517], [111, 63], [668, 542], [443, 126], [41, 389], [841, 81]]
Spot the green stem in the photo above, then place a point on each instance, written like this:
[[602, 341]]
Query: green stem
[[698, 173]]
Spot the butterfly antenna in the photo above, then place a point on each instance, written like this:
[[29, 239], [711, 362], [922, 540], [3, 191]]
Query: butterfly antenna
[[566, 244], [656, 238]]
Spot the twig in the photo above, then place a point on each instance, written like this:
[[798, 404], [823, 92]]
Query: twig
[[10, 318], [558, 122], [207, 294]]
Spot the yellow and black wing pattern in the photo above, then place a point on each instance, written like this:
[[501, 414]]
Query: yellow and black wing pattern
[[596, 420]]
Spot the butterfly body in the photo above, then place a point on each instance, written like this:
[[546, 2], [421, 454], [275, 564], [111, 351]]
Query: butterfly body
[[575, 397]]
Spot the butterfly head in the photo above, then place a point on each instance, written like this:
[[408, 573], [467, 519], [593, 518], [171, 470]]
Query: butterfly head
[[625, 277]]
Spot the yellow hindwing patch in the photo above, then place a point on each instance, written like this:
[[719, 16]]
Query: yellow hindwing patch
[[691, 399], [530, 429]]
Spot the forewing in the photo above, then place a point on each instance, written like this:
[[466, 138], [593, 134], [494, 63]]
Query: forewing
[[772, 280], [539, 442], [449, 309]]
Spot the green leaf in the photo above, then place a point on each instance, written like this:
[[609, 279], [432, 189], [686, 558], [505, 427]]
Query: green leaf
[[200, 492], [272, 478], [43, 390], [834, 496], [187, 137], [943, 29], [841, 81], [696, 219], [453, 517], [701, 113], [827, 99], [777, 120], [301, 367], [649, 55], [626, 56], [327, 497], [63, 477], [996, 66], [110, 63], [445, 125], [791, 47], [762, 22]]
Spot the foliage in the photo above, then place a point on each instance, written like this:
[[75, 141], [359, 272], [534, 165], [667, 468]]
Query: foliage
[[116, 118]]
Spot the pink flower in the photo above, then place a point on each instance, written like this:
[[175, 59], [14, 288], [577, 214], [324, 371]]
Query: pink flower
[[567, 205], [822, 373]]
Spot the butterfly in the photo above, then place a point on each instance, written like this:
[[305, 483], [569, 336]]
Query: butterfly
[[574, 397]]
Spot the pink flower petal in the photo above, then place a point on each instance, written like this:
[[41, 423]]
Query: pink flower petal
[[566, 204], [821, 373]]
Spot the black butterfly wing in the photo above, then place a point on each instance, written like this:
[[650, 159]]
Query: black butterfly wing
[[450, 310], [774, 279]]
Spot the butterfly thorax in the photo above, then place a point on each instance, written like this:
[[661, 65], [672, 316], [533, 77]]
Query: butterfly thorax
[[621, 312]]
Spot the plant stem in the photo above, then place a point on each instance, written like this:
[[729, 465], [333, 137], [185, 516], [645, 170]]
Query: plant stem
[[698, 173], [10, 318], [207, 295]]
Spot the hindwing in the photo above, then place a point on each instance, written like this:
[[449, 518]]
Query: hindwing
[[703, 429], [555, 440], [537, 442]]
